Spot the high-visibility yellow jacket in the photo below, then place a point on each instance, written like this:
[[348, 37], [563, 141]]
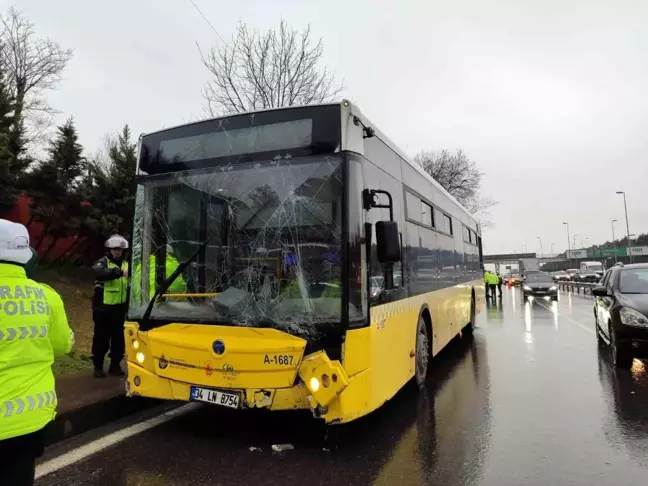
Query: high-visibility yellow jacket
[[111, 287], [492, 278], [33, 330], [179, 286]]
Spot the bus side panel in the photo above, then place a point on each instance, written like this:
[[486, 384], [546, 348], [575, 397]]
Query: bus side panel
[[393, 329], [378, 359], [450, 310], [381, 356]]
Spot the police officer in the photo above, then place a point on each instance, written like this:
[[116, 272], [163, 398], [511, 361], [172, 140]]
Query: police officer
[[492, 280], [109, 307], [33, 330], [500, 281], [486, 277]]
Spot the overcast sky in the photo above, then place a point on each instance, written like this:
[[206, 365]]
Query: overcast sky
[[548, 97]]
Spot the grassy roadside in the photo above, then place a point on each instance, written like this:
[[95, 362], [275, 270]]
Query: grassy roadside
[[75, 285]]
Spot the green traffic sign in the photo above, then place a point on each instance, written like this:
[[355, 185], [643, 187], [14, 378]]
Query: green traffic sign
[[612, 252]]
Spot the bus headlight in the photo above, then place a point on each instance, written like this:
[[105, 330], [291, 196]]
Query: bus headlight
[[135, 343], [140, 357], [324, 378]]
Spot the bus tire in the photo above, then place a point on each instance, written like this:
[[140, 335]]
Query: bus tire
[[422, 358], [470, 327]]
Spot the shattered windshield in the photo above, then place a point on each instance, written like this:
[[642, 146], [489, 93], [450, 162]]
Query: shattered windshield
[[274, 258]]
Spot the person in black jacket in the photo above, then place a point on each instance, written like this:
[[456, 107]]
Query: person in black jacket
[[500, 281], [109, 307]]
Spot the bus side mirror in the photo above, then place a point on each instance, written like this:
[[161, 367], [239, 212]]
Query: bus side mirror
[[388, 242]]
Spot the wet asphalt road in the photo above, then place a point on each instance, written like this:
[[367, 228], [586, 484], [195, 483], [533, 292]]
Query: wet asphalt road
[[531, 400]]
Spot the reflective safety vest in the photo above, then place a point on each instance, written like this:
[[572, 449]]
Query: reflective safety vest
[[33, 330], [116, 291], [492, 279], [179, 286]]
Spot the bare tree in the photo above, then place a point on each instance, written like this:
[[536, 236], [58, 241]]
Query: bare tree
[[460, 176], [34, 65], [255, 70]]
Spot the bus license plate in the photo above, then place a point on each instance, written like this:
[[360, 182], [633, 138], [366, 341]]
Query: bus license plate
[[230, 400]]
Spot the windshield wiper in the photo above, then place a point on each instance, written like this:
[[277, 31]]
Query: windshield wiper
[[167, 283]]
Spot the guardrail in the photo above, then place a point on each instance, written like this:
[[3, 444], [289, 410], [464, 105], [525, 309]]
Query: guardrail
[[584, 288]]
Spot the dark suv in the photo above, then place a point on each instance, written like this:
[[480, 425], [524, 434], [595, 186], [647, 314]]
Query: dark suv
[[620, 310]]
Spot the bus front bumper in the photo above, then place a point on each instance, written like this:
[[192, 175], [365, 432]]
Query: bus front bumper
[[319, 384]]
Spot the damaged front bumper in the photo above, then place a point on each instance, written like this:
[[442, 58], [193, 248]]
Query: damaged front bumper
[[266, 368]]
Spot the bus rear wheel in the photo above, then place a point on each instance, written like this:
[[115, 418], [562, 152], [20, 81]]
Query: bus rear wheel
[[422, 352]]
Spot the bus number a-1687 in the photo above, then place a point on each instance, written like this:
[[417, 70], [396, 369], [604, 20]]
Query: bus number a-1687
[[278, 359]]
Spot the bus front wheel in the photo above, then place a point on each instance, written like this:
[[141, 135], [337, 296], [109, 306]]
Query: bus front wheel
[[422, 352]]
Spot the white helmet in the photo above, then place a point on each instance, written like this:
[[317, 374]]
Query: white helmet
[[14, 243], [116, 241]]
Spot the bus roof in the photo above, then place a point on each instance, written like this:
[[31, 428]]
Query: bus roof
[[356, 112]]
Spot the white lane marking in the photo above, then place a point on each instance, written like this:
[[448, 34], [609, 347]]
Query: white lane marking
[[95, 446], [569, 318]]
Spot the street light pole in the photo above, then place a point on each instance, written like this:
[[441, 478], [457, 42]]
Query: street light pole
[[574, 241], [616, 259], [541, 252], [568, 240], [551, 253], [625, 206]]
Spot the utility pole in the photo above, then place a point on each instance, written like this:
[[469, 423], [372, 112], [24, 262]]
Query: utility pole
[[567, 253], [625, 206], [616, 259]]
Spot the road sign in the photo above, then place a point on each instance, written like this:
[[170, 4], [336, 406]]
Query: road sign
[[616, 252], [610, 252], [575, 254]]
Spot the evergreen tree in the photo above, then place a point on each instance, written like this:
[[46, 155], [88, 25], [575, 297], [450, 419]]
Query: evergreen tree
[[121, 179], [55, 185], [13, 160]]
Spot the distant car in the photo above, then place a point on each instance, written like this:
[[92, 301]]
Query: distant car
[[560, 276], [572, 272], [378, 284], [621, 312], [539, 285], [587, 276]]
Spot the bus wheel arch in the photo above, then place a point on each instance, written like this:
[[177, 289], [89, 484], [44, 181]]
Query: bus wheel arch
[[424, 339]]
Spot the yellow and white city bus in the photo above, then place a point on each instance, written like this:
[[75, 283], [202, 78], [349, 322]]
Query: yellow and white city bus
[[293, 258]]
